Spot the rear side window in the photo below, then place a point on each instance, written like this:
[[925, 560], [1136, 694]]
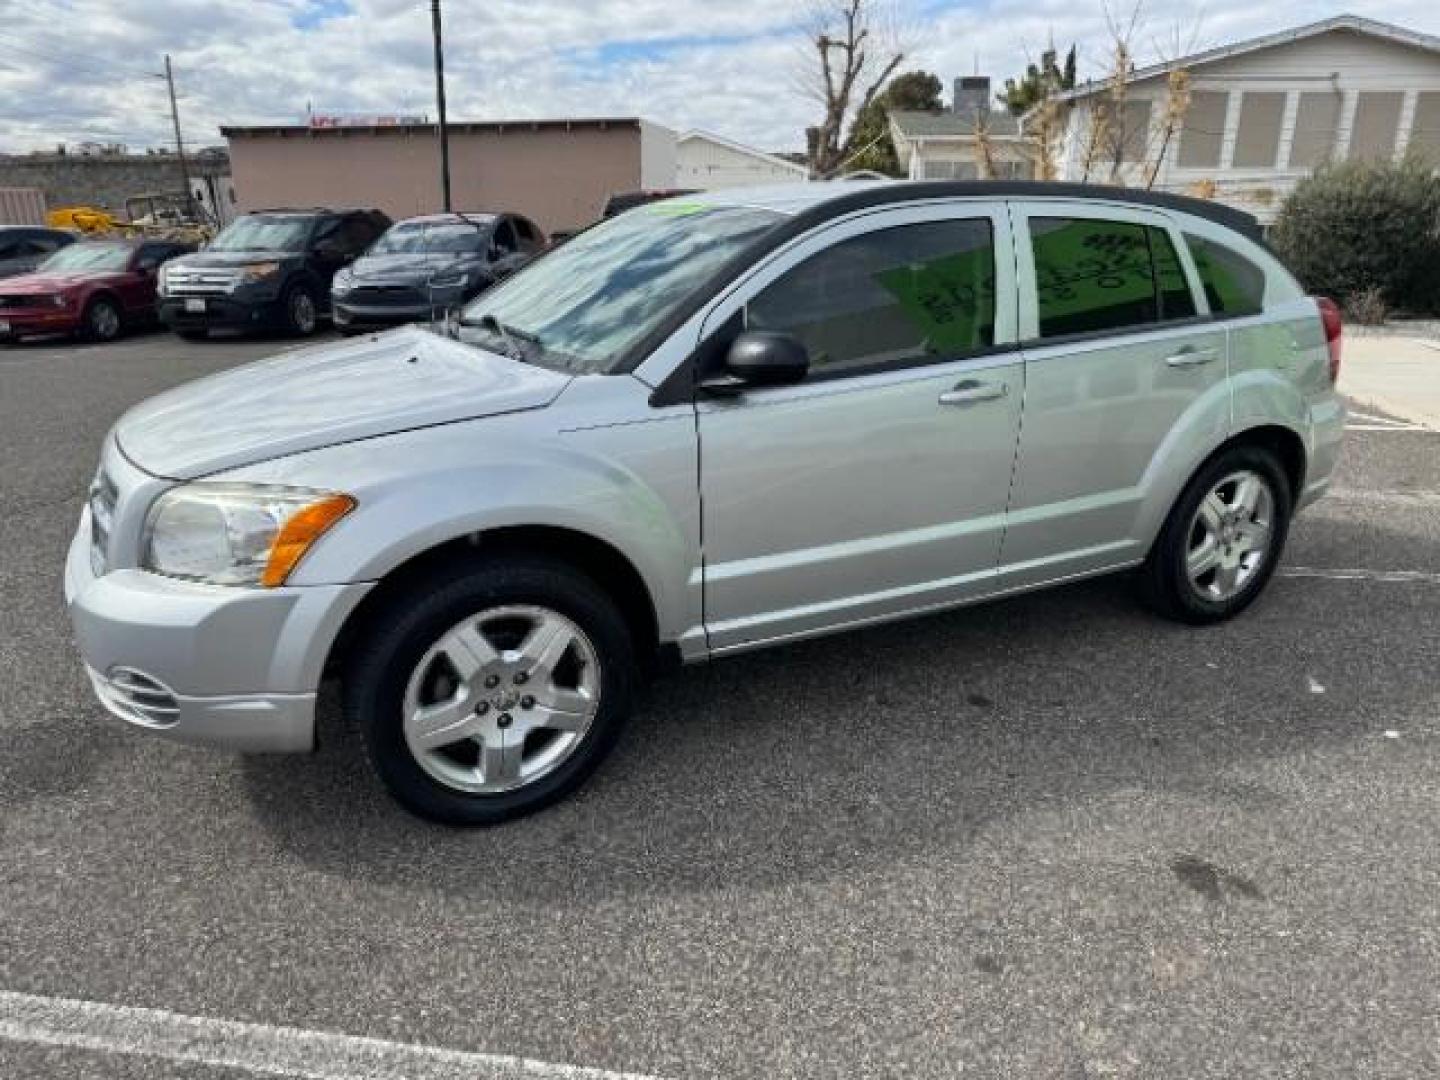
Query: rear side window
[[888, 297], [1233, 284], [1093, 275]]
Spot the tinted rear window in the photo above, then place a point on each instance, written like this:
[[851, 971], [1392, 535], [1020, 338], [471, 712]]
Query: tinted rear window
[[1094, 275], [1233, 284]]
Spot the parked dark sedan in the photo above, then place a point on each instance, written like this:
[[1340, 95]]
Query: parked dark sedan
[[424, 266]]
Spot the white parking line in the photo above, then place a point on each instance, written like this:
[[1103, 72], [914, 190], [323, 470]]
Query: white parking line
[[1387, 427], [1400, 577], [1385, 496], [258, 1048]]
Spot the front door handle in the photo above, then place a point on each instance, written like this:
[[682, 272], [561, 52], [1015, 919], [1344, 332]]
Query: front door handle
[[970, 391], [1190, 356]]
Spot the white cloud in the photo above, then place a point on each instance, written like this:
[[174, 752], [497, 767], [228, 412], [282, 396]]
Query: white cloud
[[84, 69]]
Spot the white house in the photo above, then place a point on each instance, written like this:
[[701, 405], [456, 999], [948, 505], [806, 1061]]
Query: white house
[[705, 160], [942, 145], [1266, 112]]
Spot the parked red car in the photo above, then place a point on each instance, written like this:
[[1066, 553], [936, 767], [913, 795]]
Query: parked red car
[[96, 289]]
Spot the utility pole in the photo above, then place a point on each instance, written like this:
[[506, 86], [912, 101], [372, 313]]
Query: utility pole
[[440, 101], [179, 142]]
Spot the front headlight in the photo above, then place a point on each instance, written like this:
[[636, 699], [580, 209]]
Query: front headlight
[[237, 534], [343, 281], [451, 280], [60, 300], [255, 272]]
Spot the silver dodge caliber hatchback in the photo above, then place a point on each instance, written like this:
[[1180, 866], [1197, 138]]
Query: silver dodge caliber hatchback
[[707, 425]]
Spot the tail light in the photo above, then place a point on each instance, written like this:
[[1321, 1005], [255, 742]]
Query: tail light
[[1334, 328]]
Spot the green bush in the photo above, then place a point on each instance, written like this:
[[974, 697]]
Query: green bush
[[1366, 226]]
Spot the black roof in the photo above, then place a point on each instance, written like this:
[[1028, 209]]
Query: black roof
[[909, 191], [300, 210]]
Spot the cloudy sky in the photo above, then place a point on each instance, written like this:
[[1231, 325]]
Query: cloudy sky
[[73, 70]]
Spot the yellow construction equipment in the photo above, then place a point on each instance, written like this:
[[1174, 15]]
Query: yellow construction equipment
[[82, 219]]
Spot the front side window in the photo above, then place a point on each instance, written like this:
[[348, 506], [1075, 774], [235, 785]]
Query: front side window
[[504, 240], [893, 296], [582, 307], [1233, 284], [1093, 275]]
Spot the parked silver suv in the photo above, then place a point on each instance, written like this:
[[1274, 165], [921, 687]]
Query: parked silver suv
[[707, 425]]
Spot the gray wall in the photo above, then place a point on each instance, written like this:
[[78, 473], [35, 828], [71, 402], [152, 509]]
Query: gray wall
[[72, 180]]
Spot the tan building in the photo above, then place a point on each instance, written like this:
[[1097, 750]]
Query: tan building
[[557, 172]]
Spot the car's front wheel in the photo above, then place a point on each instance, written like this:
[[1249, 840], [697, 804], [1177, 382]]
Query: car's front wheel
[[302, 314], [101, 320], [490, 693], [1222, 540]]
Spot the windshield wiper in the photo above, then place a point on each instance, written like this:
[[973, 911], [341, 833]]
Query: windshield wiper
[[508, 334]]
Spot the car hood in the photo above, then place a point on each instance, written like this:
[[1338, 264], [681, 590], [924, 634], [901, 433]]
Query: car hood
[[407, 378], [231, 258], [33, 284], [408, 269]]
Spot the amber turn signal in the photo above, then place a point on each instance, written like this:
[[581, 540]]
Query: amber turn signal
[[298, 534]]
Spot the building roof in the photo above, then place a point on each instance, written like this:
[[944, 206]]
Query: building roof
[[492, 127], [1353, 23], [740, 148], [949, 124]]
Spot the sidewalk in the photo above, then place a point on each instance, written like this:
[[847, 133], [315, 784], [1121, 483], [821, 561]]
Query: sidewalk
[[1397, 375]]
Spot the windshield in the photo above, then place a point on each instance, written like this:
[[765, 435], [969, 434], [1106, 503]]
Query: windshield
[[264, 234], [433, 238], [89, 257], [582, 306]]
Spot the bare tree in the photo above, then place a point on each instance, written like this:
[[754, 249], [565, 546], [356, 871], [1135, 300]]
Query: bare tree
[[852, 49], [1177, 93]]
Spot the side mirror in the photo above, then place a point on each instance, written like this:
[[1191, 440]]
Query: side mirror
[[759, 358]]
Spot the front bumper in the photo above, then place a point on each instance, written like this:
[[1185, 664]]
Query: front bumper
[[206, 664], [227, 312], [376, 317], [357, 309], [18, 322]]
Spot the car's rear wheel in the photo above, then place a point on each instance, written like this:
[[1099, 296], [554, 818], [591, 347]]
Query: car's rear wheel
[[489, 694], [1222, 540], [101, 320], [302, 315]]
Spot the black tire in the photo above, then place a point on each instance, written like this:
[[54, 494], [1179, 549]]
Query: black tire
[[302, 311], [1165, 584], [101, 321], [379, 669], [194, 335]]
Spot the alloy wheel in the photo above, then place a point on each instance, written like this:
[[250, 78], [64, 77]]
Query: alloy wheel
[[302, 312], [1230, 536], [501, 699], [104, 321]]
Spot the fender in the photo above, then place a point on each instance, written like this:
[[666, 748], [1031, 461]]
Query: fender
[[418, 490]]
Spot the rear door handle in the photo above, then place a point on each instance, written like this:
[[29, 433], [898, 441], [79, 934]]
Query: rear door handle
[[1191, 357], [972, 390]]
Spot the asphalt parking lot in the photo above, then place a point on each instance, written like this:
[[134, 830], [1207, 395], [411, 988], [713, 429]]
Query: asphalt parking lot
[[1051, 837]]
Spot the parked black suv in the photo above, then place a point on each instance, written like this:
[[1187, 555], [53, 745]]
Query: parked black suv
[[270, 269]]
